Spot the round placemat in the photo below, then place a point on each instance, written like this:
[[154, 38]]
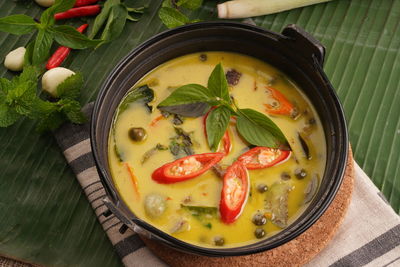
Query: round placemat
[[297, 252]]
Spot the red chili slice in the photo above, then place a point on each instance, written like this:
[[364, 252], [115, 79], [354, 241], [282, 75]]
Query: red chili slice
[[235, 191], [226, 140], [263, 157], [282, 104], [186, 168]]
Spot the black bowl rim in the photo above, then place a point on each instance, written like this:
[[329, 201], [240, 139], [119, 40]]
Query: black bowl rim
[[182, 245]]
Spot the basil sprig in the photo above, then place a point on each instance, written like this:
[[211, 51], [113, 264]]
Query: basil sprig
[[255, 127], [171, 15], [47, 32], [113, 18]]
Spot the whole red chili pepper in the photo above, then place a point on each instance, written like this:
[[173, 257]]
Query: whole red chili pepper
[[85, 2], [82, 11], [226, 140], [186, 168], [262, 157], [62, 52], [235, 191]]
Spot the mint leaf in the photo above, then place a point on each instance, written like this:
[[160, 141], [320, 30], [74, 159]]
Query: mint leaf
[[8, 116], [259, 130], [68, 36], [188, 94], [168, 3], [217, 83], [29, 74], [216, 124], [172, 18], [71, 87], [17, 24], [115, 23], [41, 49], [190, 4], [50, 122], [72, 110], [5, 86], [102, 17]]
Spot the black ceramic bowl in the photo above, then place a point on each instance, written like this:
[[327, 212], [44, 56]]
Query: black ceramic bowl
[[294, 52]]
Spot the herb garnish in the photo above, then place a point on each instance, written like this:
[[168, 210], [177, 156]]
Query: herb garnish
[[113, 15], [171, 15], [47, 32], [18, 99], [255, 127]]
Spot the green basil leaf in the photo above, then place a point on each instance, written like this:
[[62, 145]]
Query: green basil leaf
[[217, 83], [68, 36], [216, 124], [70, 87], [41, 50], [190, 4], [63, 5], [188, 94], [115, 23], [172, 18], [17, 24], [102, 17], [142, 93], [47, 17], [259, 130], [187, 110], [29, 54]]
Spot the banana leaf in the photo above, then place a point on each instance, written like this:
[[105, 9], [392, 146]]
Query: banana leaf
[[44, 216]]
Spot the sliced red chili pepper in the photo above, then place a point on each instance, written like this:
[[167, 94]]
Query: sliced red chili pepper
[[82, 11], [235, 191], [85, 2], [186, 168], [62, 52], [226, 140], [263, 157], [279, 105]]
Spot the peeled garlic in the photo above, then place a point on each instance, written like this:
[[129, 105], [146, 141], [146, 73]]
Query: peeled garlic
[[15, 59], [45, 3], [53, 78]]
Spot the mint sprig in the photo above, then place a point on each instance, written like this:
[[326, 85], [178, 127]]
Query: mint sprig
[[18, 99], [255, 127]]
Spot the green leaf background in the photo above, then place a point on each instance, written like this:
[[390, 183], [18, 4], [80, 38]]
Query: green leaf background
[[46, 219]]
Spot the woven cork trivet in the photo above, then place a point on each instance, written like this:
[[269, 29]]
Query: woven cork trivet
[[294, 253]]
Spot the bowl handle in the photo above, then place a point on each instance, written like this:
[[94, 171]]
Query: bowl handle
[[304, 43]]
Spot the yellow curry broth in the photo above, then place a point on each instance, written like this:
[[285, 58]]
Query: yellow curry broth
[[206, 189]]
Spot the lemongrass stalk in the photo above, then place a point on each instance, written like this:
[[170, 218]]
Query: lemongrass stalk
[[251, 8]]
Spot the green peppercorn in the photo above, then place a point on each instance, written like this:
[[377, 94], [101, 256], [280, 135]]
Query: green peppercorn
[[300, 173], [137, 134], [259, 219], [219, 241], [262, 188], [203, 57], [259, 233], [285, 176]]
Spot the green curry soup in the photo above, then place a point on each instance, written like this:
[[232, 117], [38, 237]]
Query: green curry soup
[[143, 139]]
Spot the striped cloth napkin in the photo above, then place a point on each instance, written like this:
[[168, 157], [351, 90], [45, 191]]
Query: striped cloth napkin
[[369, 235]]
